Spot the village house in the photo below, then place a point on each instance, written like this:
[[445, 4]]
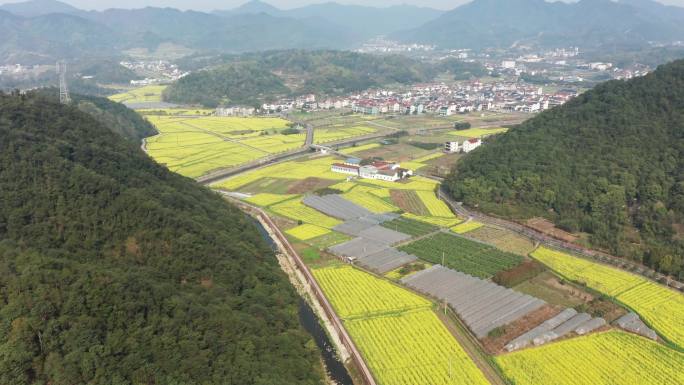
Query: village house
[[471, 144]]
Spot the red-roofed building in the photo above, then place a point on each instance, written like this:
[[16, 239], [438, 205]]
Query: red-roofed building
[[471, 144]]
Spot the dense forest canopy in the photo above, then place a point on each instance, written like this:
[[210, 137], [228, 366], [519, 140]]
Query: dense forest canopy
[[609, 163], [262, 77], [114, 270]]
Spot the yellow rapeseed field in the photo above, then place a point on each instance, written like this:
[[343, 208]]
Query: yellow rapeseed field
[[659, 306], [356, 294], [466, 227], [295, 209], [140, 95], [194, 146], [307, 231], [610, 358], [435, 206], [400, 337]]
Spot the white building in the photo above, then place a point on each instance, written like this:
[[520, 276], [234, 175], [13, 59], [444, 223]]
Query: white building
[[452, 147], [471, 144], [508, 64]]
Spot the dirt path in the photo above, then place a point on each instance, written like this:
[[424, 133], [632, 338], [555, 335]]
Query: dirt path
[[472, 348]]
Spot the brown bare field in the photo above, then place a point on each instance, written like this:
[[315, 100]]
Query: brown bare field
[[309, 184], [408, 200], [517, 328], [547, 227], [505, 240]]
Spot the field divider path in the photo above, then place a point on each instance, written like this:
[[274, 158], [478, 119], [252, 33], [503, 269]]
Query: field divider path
[[472, 347], [225, 138]]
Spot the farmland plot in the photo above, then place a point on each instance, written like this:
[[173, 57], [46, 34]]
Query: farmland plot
[[461, 254], [356, 294], [435, 206], [599, 359], [401, 339], [294, 209], [410, 226], [196, 146], [661, 307], [414, 348], [140, 95], [505, 240]]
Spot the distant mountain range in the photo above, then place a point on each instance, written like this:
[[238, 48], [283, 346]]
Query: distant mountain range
[[363, 20], [42, 30], [38, 30], [587, 23]]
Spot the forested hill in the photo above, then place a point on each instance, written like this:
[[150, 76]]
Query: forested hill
[[263, 77], [114, 270], [609, 163]]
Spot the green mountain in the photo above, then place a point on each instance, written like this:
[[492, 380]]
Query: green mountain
[[267, 75], [586, 23], [45, 39], [116, 271], [244, 84], [609, 163]]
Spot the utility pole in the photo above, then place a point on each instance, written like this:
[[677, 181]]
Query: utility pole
[[64, 97]]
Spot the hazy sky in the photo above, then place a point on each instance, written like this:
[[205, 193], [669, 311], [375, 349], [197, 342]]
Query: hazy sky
[[227, 4]]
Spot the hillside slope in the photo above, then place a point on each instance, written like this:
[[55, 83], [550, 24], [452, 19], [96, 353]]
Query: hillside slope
[[609, 163], [115, 271]]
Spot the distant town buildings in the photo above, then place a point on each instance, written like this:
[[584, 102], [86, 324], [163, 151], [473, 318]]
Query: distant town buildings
[[155, 72]]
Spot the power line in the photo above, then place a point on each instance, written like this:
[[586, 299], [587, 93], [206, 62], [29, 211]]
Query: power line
[[64, 97]]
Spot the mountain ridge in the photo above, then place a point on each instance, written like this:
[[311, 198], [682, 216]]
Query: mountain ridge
[[586, 23]]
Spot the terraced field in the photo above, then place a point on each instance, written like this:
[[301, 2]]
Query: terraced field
[[401, 339], [461, 254], [661, 307], [609, 358]]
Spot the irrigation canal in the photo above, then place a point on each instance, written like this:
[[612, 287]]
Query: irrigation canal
[[336, 369]]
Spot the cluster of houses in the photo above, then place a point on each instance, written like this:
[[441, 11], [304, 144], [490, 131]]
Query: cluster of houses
[[235, 111], [466, 147], [380, 170], [156, 72]]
